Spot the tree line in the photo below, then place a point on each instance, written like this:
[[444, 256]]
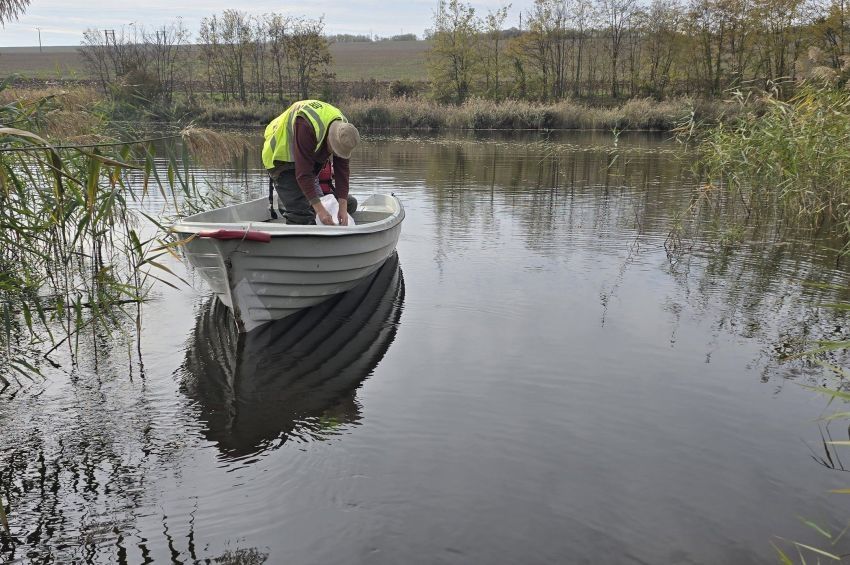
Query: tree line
[[587, 49], [623, 48], [237, 57]]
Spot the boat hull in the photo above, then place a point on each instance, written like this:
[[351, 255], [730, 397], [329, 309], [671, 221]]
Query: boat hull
[[265, 281]]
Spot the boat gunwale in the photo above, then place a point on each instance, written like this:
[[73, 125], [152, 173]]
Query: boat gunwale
[[276, 230]]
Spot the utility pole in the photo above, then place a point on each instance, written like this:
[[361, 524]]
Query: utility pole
[[40, 50]]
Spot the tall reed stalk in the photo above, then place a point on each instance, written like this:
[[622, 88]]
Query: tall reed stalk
[[832, 542]]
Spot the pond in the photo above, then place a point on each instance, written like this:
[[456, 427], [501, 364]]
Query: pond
[[532, 379]]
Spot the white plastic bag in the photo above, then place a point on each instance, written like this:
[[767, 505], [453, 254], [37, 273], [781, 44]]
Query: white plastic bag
[[332, 206]]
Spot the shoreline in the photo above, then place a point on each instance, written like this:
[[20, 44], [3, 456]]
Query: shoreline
[[416, 113], [422, 114]]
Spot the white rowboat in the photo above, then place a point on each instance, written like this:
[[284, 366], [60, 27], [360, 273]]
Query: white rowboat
[[265, 270]]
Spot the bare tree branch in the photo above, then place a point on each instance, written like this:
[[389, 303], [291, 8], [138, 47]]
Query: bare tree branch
[[12, 9]]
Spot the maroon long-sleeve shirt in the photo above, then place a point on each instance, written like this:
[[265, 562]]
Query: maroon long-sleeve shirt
[[308, 163]]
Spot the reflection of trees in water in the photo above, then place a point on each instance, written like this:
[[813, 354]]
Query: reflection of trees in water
[[75, 496], [759, 291], [549, 185], [74, 479], [620, 201], [295, 377], [548, 189], [584, 191], [639, 176], [70, 476]]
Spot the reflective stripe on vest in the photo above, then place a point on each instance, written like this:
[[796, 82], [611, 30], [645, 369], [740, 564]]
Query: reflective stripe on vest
[[280, 133]]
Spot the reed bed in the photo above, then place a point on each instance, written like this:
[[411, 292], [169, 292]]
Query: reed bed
[[73, 257], [210, 147], [233, 113], [79, 253], [784, 163], [57, 113], [790, 161], [71, 106], [480, 114], [78, 97], [636, 114]]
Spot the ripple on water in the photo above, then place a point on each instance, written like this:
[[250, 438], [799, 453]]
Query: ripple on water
[[541, 381]]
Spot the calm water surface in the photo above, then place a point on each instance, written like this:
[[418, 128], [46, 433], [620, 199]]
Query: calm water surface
[[530, 380]]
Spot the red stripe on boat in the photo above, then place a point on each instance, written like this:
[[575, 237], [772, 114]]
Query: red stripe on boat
[[248, 235]]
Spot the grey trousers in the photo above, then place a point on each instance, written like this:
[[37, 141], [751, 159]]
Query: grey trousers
[[296, 208]]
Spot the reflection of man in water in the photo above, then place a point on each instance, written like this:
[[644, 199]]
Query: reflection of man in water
[[297, 145]]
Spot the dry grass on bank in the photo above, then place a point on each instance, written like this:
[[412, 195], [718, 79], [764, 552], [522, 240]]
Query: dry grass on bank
[[65, 113], [637, 114], [77, 97], [69, 114], [422, 113], [234, 113]]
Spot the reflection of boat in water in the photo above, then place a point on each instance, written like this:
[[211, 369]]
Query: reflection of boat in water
[[296, 376], [266, 270]]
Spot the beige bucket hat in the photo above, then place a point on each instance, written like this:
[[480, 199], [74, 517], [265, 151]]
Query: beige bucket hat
[[342, 138]]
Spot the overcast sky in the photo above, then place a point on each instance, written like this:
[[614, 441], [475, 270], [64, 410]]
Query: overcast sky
[[62, 21]]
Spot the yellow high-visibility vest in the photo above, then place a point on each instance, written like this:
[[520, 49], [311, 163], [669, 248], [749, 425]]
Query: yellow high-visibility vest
[[279, 136]]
